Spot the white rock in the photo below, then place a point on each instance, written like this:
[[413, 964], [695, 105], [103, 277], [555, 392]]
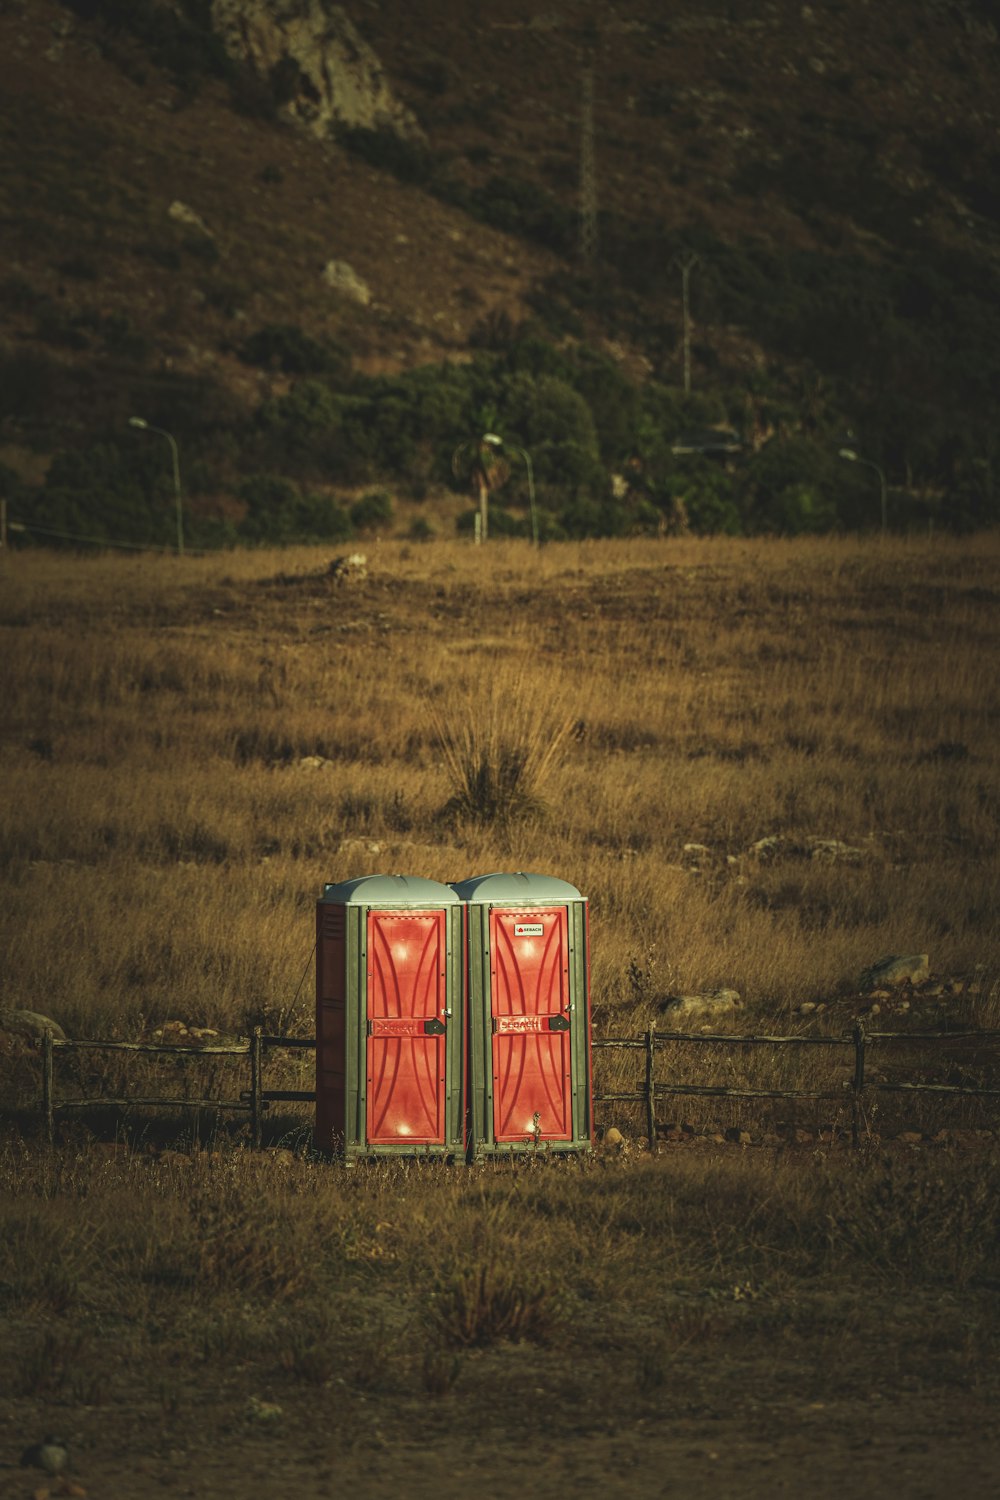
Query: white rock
[[834, 850], [257, 1410], [676, 1006], [182, 214], [343, 278], [30, 1024], [769, 847], [350, 569], [895, 970]]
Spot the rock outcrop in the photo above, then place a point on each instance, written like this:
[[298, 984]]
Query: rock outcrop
[[343, 278], [30, 1025], [895, 970], [704, 1006], [350, 569], [323, 73], [182, 214]]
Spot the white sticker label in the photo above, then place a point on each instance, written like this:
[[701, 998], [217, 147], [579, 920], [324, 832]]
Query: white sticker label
[[528, 929]]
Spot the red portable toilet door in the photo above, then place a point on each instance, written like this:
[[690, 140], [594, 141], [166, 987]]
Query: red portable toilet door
[[407, 1021], [532, 1083]]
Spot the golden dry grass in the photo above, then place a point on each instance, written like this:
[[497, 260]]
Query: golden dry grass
[[191, 749]]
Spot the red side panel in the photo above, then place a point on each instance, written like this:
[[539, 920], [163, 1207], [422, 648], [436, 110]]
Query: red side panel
[[532, 1085], [406, 992], [330, 1023]]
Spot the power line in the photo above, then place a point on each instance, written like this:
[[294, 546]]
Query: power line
[[74, 536]]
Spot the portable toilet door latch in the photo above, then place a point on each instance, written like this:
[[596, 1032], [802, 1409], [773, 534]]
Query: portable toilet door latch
[[526, 1025], [406, 1026]]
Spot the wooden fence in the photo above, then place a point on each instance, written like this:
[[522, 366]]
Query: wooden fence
[[253, 1101], [856, 1088]]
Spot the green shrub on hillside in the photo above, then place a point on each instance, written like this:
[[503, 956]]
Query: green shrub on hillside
[[372, 511], [106, 493], [28, 383], [705, 491], [520, 207], [556, 424], [278, 511], [614, 402], [790, 487], [284, 346], [408, 160], [178, 37], [299, 430]]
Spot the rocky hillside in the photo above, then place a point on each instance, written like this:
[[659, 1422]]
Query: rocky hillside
[[206, 204]]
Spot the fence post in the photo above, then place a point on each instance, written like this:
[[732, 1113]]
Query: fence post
[[48, 1103], [256, 1099], [651, 1089], [859, 1081]]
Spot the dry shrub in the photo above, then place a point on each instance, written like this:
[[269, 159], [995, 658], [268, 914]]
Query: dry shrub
[[51, 1366], [45, 1256], [501, 743], [478, 1305], [440, 1368], [245, 1244], [910, 1219]]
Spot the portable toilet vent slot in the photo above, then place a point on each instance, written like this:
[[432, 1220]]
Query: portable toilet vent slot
[[390, 1035], [529, 1014]]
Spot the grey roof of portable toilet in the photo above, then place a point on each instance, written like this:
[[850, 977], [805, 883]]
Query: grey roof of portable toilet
[[390, 890], [516, 889]]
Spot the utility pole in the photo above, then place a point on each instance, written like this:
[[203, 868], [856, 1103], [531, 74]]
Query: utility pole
[[686, 264], [588, 182]]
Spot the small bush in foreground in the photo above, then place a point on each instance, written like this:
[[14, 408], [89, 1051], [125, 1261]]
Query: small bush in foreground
[[481, 1305]]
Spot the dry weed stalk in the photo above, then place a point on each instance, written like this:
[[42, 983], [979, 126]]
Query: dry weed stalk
[[500, 745]]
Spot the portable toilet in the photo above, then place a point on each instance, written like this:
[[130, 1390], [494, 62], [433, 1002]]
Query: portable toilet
[[529, 1014], [390, 1033]]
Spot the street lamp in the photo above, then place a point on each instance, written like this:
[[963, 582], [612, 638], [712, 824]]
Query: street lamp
[[145, 426], [498, 442], [855, 458]]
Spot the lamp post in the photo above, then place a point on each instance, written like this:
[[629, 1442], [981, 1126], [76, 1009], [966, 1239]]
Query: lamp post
[[685, 264], [145, 426], [855, 458], [497, 442]]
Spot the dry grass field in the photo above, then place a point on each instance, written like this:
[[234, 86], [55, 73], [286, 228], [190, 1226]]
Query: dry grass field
[[191, 749]]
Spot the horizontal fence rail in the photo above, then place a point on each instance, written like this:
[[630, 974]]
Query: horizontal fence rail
[[255, 1100], [252, 1101]]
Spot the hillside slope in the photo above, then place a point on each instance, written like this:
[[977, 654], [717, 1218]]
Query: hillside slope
[[835, 170]]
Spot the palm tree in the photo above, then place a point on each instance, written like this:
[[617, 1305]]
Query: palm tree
[[481, 462]]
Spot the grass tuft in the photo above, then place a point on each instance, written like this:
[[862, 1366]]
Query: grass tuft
[[500, 746], [479, 1306]]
